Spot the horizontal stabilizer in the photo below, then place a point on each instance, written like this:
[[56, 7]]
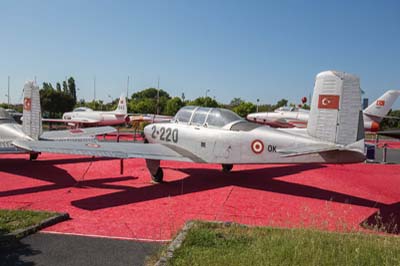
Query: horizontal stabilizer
[[104, 149], [317, 148]]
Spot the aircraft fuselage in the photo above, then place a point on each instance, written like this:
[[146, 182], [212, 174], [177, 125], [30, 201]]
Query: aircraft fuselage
[[223, 146]]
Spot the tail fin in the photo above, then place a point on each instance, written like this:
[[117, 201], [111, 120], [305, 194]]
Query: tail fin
[[335, 114], [121, 108], [381, 106], [32, 115]]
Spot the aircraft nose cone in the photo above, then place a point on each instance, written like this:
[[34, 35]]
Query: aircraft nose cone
[[147, 131], [250, 117]]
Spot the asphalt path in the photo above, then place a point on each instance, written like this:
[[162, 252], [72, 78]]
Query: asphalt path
[[70, 250]]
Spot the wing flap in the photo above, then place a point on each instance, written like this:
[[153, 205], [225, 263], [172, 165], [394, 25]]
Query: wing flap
[[105, 149]]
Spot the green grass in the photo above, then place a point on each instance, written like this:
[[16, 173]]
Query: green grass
[[11, 220], [216, 244]]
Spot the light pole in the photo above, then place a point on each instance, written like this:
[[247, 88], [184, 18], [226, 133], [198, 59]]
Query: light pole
[[258, 100], [207, 91], [8, 92]]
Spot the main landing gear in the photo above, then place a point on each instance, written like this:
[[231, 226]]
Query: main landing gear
[[155, 170], [33, 156], [226, 168]]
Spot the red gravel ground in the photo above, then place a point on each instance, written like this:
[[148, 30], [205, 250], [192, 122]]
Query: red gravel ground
[[102, 202]]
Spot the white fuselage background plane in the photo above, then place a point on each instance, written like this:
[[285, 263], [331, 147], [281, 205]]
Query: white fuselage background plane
[[297, 117], [86, 116]]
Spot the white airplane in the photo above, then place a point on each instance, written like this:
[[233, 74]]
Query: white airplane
[[287, 117], [334, 134], [86, 116], [31, 128]]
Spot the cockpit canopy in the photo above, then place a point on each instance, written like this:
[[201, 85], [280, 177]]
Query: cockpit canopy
[[291, 109], [205, 116], [82, 109], [5, 117]]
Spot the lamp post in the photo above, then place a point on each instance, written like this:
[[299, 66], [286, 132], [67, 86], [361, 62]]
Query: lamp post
[[258, 100], [8, 92]]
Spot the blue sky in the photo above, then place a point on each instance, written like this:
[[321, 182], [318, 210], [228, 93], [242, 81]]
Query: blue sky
[[247, 49]]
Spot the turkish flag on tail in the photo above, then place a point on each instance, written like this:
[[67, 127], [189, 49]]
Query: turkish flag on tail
[[328, 101]]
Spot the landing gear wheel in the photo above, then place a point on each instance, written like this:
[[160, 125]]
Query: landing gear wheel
[[158, 177], [227, 168], [33, 156]]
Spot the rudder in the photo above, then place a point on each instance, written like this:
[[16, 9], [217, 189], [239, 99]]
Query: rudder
[[335, 114], [32, 115]]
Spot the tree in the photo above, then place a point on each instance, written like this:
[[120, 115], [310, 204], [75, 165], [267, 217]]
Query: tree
[[148, 101], [244, 108], [390, 123], [173, 105], [280, 103], [65, 87], [204, 102], [235, 102], [72, 88], [150, 93], [55, 102], [58, 86]]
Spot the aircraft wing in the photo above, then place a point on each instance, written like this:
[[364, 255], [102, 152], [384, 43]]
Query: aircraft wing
[[76, 134], [393, 133], [106, 149], [72, 121]]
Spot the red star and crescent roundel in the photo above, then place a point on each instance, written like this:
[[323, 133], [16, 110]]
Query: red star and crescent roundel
[[380, 103], [27, 104], [257, 146], [328, 101]]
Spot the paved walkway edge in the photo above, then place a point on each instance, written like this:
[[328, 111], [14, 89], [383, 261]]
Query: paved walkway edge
[[175, 244], [20, 233]]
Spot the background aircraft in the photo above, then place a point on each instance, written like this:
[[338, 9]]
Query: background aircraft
[[83, 116], [212, 135], [31, 128], [288, 117]]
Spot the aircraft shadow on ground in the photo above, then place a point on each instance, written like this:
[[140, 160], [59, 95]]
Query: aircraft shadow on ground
[[387, 218], [57, 177], [266, 179]]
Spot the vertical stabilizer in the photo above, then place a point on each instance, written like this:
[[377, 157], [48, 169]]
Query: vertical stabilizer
[[121, 108], [381, 106], [335, 114], [32, 115]]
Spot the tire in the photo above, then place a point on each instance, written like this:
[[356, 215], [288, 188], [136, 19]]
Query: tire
[[227, 168], [158, 177], [33, 156]]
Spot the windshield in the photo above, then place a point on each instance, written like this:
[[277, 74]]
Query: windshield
[[82, 109], [214, 117]]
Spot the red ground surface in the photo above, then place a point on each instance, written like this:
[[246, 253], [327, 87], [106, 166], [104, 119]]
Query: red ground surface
[[102, 202]]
